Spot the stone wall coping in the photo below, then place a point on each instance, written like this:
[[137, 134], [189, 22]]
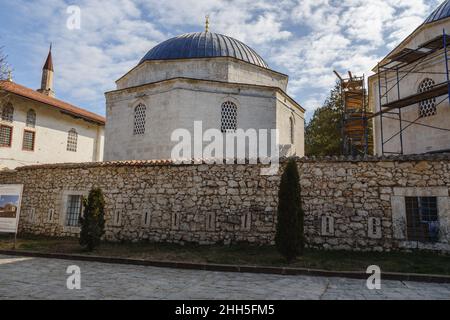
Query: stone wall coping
[[151, 163]]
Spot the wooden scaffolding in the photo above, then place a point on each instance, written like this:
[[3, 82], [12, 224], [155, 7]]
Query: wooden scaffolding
[[355, 125]]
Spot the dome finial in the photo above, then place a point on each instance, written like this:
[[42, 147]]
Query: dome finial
[[207, 23]]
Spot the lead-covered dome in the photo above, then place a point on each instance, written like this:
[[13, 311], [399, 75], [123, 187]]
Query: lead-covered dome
[[442, 12], [204, 45]]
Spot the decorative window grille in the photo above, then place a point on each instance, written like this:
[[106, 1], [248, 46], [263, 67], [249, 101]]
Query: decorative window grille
[[229, 117], [28, 140], [72, 140], [422, 219], [139, 119], [8, 113], [5, 136], [31, 118], [427, 107], [73, 210], [292, 130]]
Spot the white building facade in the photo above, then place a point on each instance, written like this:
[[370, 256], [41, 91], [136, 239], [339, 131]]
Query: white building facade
[[36, 128], [425, 124], [199, 77]]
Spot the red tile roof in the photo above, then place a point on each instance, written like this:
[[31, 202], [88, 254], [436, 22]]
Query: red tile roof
[[58, 104]]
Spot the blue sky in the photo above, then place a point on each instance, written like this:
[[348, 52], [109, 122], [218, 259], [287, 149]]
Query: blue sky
[[4, 200], [305, 39]]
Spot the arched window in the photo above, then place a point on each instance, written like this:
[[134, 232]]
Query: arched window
[[427, 107], [72, 140], [31, 118], [139, 119], [8, 113], [229, 117], [292, 130]]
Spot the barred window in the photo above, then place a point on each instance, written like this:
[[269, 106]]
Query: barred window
[[292, 130], [8, 113], [31, 118], [422, 219], [229, 117], [427, 107], [139, 119], [72, 140], [5, 136], [28, 140], [73, 210]]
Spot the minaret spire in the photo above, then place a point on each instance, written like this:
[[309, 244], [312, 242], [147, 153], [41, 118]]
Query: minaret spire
[[47, 75]]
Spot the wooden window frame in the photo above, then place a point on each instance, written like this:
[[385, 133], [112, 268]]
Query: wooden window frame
[[34, 140], [10, 138], [32, 124]]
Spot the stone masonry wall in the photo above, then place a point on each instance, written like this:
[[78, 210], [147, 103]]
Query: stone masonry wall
[[349, 203]]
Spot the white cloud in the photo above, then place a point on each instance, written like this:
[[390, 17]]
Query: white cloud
[[343, 35], [305, 38]]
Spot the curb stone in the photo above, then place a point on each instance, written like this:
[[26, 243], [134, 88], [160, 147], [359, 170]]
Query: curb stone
[[233, 268]]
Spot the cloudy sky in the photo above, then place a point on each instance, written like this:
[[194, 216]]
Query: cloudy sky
[[305, 39]]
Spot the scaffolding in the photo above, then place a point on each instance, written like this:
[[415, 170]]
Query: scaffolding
[[397, 69], [355, 118]]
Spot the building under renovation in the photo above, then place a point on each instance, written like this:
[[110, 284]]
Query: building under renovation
[[356, 139], [409, 93]]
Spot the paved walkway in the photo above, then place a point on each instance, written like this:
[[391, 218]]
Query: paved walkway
[[36, 278]]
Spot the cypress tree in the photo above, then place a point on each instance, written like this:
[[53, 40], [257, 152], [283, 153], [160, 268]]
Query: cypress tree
[[289, 237], [93, 220]]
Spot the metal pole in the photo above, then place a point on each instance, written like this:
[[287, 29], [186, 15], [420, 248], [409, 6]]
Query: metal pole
[[343, 121], [400, 114], [446, 64], [381, 110], [366, 123]]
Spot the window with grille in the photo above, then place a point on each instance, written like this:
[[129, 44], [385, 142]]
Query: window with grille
[[5, 136], [8, 113], [139, 119], [422, 219], [292, 130], [72, 140], [229, 117], [427, 107], [31, 118], [73, 210], [28, 140]]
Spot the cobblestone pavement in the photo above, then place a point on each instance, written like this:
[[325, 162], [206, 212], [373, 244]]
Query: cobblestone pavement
[[35, 278]]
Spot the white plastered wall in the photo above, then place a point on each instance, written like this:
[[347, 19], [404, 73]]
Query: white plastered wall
[[50, 137]]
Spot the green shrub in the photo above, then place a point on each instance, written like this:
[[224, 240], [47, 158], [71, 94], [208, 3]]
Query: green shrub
[[93, 220], [289, 238]]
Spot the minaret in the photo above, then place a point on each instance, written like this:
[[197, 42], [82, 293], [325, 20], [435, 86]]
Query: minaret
[[47, 76]]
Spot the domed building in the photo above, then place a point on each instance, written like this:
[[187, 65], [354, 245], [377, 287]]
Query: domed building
[[194, 77]]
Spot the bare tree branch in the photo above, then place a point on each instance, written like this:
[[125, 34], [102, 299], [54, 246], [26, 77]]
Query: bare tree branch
[[4, 75], [4, 67]]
